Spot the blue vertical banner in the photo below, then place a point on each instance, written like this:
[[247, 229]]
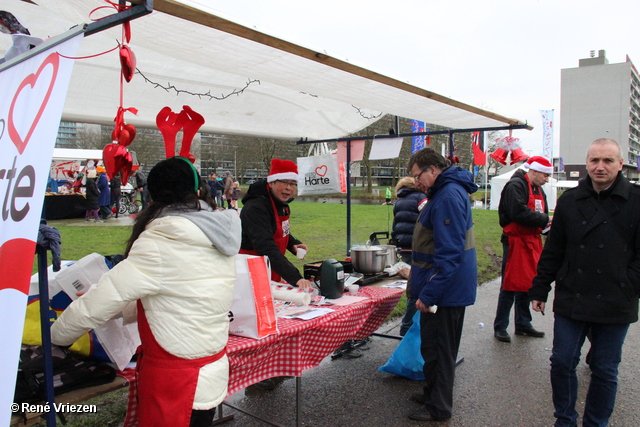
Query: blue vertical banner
[[560, 164], [417, 142], [638, 164]]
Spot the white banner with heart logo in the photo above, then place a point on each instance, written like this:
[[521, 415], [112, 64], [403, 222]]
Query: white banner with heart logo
[[33, 94], [319, 175]]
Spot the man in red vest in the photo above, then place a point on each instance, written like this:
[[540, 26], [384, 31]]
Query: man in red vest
[[523, 214], [265, 222]]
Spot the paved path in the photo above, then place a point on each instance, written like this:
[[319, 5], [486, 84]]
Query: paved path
[[498, 384]]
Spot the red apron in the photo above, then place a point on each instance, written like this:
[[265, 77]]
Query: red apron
[[166, 384], [525, 247], [281, 237]]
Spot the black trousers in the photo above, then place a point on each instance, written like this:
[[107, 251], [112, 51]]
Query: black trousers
[[202, 418], [440, 335]]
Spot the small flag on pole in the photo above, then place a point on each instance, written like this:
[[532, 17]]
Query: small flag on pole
[[479, 156]]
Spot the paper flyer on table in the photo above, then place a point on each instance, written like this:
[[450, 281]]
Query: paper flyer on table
[[347, 300], [402, 284], [308, 313]]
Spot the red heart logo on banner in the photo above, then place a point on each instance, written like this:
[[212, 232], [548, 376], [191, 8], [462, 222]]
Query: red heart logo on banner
[[321, 170], [16, 261], [31, 80]]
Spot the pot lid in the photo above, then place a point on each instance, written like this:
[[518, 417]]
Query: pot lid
[[367, 248]]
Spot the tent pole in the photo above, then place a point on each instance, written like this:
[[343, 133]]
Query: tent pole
[[348, 173], [45, 327]]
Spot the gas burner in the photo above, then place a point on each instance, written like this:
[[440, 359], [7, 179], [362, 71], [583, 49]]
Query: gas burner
[[372, 278]]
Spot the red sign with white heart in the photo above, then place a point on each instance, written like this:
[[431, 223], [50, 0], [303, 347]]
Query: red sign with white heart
[[33, 93]]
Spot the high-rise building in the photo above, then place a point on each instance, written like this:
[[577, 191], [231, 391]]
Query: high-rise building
[[599, 100]]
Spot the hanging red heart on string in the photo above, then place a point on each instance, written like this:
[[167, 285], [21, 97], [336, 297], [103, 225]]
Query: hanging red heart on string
[[127, 62]]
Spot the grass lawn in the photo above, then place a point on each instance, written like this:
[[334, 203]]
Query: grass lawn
[[321, 226]]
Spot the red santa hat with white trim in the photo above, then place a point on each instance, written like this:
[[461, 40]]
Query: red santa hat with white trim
[[282, 169], [540, 164]]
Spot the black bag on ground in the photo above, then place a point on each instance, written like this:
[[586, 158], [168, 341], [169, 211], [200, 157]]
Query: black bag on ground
[[70, 372]]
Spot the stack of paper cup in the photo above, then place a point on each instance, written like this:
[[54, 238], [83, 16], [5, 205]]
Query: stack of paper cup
[[301, 253]]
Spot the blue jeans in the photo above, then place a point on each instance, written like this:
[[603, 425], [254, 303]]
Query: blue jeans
[[606, 353], [520, 301]]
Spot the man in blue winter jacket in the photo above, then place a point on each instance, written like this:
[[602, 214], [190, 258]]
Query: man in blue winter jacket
[[443, 275]]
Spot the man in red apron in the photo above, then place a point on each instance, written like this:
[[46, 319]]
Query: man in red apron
[[265, 222], [523, 214]]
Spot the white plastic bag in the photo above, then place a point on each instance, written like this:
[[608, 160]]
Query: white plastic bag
[[253, 313]]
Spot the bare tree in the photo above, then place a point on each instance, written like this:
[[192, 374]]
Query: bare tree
[[90, 138]]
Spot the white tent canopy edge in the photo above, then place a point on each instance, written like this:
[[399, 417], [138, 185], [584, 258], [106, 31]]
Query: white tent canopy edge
[[189, 55]]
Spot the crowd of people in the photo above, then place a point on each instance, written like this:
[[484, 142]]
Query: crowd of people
[[592, 254]]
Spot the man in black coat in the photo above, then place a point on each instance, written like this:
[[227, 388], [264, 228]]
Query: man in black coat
[[593, 255]]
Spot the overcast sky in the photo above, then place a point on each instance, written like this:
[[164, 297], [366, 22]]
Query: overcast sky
[[500, 55]]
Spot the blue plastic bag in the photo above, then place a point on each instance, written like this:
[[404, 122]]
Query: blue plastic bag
[[406, 360]]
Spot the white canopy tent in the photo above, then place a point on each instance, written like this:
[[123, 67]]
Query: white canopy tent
[[498, 182], [188, 54]]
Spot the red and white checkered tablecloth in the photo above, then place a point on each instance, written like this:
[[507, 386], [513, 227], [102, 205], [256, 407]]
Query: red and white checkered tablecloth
[[302, 344]]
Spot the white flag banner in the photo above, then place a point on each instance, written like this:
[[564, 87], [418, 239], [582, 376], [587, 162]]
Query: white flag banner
[[318, 175], [547, 134], [33, 94], [385, 148]]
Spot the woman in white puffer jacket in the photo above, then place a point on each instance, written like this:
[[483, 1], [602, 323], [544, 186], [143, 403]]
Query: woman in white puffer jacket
[[180, 271]]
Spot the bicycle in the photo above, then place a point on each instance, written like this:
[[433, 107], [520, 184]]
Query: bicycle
[[129, 202]]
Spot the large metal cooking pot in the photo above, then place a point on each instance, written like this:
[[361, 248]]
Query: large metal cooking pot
[[392, 256], [369, 259]]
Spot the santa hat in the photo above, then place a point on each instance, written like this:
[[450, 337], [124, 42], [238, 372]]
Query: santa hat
[[282, 169], [540, 164]]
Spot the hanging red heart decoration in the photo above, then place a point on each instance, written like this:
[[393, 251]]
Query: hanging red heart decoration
[[108, 158], [131, 129], [126, 167], [128, 62]]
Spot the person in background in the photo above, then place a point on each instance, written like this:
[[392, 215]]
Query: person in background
[[235, 195], [387, 200], [444, 275], [228, 188], [52, 185], [265, 221], [104, 199], [91, 197], [593, 256], [523, 214], [115, 186], [183, 313], [212, 182], [219, 191], [405, 215], [141, 186]]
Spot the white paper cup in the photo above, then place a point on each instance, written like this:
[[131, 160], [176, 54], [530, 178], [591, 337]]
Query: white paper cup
[[353, 289], [301, 253]]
